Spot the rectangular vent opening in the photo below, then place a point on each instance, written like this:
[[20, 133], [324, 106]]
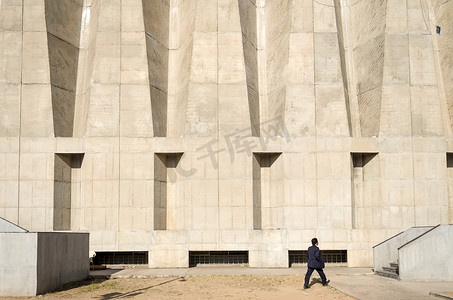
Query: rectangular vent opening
[[121, 258], [449, 160], [218, 257], [329, 256]]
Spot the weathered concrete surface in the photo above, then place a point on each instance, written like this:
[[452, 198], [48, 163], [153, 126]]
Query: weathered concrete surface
[[428, 257], [61, 258], [33, 263], [18, 264], [218, 80]]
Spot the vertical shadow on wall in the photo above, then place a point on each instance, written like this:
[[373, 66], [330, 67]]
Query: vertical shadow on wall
[[66, 188], [165, 165], [265, 176], [365, 190]]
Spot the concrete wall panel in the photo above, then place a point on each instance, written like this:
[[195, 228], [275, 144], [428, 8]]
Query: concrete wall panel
[[428, 257], [18, 257], [61, 258], [218, 81]]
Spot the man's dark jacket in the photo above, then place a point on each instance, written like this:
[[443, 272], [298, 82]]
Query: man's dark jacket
[[315, 260]]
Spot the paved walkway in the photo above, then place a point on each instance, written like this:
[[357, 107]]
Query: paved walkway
[[360, 283]]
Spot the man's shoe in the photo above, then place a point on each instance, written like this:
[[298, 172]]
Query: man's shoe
[[326, 283], [306, 287]]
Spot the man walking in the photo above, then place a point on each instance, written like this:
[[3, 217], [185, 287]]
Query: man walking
[[315, 262]]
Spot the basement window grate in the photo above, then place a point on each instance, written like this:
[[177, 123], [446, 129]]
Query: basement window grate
[[329, 256], [121, 258], [218, 257]]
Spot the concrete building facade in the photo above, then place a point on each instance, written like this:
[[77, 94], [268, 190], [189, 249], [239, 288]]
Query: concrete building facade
[[172, 126]]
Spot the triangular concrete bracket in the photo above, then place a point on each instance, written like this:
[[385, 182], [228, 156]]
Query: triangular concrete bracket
[[7, 226]]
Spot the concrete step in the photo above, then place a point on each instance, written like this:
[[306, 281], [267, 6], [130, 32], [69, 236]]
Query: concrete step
[[394, 265], [391, 269], [387, 274]]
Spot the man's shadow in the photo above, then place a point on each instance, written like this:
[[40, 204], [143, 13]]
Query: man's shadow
[[314, 281]]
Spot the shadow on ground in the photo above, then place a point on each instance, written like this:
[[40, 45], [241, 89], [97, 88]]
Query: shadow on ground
[[84, 283], [314, 281], [137, 292]]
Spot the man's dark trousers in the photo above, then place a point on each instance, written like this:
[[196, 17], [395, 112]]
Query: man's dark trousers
[[310, 271]]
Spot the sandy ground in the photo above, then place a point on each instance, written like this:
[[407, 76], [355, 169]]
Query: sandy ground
[[198, 287]]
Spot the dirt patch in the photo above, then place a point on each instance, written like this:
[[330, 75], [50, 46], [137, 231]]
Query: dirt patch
[[198, 287]]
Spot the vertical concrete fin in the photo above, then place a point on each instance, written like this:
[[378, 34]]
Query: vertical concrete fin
[[426, 102], [396, 119], [368, 58], [361, 32], [88, 33], [248, 19], [266, 27], [277, 27], [169, 31], [63, 20], [156, 16], [202, 41], [182, 26], [354, 126], [443, 47]]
